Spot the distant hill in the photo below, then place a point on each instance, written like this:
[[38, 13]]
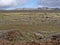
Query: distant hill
[[40, 8], [43, 9]]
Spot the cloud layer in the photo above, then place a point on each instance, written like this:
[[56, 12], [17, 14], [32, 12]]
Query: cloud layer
[[50, 3], [11, 3], [15, 3], [7, 3]]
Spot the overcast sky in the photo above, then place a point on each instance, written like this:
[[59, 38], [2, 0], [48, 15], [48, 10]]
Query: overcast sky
[[12, 4]]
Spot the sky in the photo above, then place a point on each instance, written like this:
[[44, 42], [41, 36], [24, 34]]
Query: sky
[[13, 4]]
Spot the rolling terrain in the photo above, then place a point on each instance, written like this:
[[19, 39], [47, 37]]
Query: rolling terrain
[[30, 21], [31, 27]]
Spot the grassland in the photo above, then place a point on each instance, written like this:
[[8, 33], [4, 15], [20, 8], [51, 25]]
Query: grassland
[[30, 21], [29, 27]]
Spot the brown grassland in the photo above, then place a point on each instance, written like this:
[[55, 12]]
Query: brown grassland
[[30, 27]]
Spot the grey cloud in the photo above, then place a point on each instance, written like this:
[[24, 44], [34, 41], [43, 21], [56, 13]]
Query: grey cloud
[[7, 3], [11, 3], [49, 3]]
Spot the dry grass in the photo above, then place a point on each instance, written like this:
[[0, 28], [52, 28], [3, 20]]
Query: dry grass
[[30, 21]]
